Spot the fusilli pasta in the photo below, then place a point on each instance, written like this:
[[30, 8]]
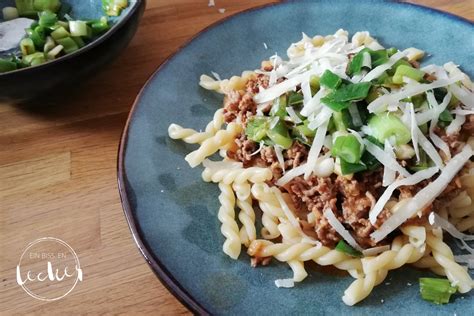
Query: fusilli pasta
[[229, 228], [252, 174], [376, 268], [190, 136], [248, 231], [302, 252], [213, 144], [445, 258]]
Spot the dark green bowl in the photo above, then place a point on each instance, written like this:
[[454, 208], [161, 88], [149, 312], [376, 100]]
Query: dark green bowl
[[29, 83]]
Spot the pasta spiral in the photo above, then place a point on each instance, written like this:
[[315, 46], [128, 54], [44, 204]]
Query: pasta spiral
[[445, 258], [416, 235], [376, 269], [271, 210], [461, 208], [242, 190], [248, 232], [229, 228], [428, 262], [235, 83], [302, 252], [213, 144], [191, 136], [252, 174]]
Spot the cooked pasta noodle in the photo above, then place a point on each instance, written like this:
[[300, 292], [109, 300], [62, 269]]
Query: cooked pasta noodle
[[416, 235], [428, 262], [299, 272], [213, 144], [303, 251], [444, 256], [229, 228], [235, 83], [242, 190], [376, 268], [271, 210], [247, 214], [191, 136], [253, 174]]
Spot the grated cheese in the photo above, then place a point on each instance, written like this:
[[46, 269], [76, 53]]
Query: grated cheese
[[469, 259], [288, 213], [294, 117], [410, 180], [285, 283], [306, 89], [436, 220], [321, 118], [430, 149], [379, 70], [385, 159], [280, 158], [315, 102], [341, 230], [425, 196], [462, 111], [388, 174], [455, 126], [293, 173], [462, 94], [413, 131], [261, 144], [435, 110], [378, 104], [316, 147], [375, 250], [216, 75], [279, 89]]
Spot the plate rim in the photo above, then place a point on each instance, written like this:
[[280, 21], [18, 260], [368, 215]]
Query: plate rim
[[162, 273]]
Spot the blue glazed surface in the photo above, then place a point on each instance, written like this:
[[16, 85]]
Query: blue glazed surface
[[175, 211]]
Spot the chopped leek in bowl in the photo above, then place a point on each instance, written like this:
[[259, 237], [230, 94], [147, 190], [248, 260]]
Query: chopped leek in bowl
[[61, 40], [53, 32]]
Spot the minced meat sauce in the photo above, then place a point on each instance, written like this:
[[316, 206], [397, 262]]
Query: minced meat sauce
[[350, 197]]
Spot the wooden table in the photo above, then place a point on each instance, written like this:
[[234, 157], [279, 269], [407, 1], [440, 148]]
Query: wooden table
[[58, 171]]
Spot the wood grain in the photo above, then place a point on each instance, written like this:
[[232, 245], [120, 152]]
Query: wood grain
[[58, 171]]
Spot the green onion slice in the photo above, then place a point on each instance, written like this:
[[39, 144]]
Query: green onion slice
[[436, 290], [256, 128], [385, 126], [47, 19], [407, 71], [279, 135], [342, 246], [348, 148], [330, 80]]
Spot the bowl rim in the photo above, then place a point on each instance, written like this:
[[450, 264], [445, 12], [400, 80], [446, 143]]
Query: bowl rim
[[136, 5], [155, 264]]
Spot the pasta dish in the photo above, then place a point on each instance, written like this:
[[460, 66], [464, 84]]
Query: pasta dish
[[346, 154]]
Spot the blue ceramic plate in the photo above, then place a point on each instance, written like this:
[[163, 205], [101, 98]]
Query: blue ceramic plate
[[172, 212]]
